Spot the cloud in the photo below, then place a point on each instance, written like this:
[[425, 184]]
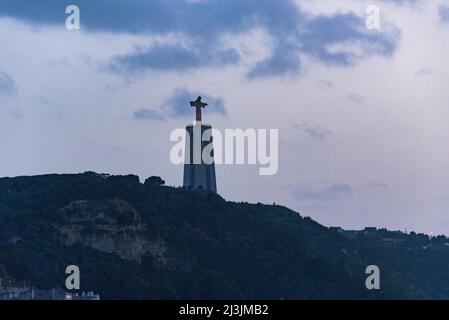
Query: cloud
[[355, 98], [173, 57], [341, 39], [283, 60], [424, 72], [376, 185], [7, 84], [338, 39], [326, 83], [443, 12], [401, 2], [204, 24], [314, 130], [333, 192], [148, 114], [177, 106]]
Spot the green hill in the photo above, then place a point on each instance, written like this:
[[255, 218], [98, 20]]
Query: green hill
[[147, 241]]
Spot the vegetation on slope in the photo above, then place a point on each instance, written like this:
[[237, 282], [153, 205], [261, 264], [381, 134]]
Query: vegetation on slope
[[147, 241]]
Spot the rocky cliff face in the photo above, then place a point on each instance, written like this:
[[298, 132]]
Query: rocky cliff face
[[112, 226]]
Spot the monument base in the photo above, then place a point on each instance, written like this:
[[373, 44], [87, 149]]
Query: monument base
[[197, 174]]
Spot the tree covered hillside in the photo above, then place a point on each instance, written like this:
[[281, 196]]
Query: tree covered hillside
[[148, 241]]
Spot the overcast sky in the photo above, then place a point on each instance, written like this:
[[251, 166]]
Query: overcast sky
[[362, 114]]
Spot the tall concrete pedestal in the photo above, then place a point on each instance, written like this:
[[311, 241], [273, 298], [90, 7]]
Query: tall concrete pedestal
[[197, 173]]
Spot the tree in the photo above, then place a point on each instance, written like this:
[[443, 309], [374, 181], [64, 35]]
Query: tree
[[154, 182]]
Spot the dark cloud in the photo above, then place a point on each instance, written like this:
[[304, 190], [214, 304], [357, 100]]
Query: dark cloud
[[175, 58], [177, 106], [313, 130], [443, 12], [148, 114], [7, 84], [348, 31], [283, 60], [355, 98], [333, 192], [424, 72], [205, 22]]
